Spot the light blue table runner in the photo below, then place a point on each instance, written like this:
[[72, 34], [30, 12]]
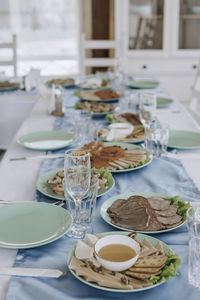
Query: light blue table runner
[[163, 175]]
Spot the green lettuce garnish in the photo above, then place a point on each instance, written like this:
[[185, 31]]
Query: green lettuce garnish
[[170, 269], [111, 119], [77, 93], [181, 205], [76, 106], [104, 174]]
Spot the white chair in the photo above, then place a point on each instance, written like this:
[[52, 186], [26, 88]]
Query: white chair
[[194, 100], [85, 62], [12, 62]]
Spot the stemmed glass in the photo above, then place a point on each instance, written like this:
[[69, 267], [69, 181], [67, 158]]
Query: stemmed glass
[[77, 174], [147, 111]]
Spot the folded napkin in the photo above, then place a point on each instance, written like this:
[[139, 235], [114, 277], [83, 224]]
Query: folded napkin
[[92, 82], [31, 79], [48, 95], [119, 131]]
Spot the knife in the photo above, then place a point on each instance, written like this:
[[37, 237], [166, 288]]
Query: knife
[[38, 156], [32, 272]]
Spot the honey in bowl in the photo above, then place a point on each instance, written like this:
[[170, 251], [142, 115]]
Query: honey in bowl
[[116, 252]]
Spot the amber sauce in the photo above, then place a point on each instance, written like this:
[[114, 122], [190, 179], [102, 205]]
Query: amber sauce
[[116, 252]]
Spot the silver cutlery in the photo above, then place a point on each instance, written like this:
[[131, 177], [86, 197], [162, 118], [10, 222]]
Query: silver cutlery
[[58, 203], [32, 272], [57, 155]]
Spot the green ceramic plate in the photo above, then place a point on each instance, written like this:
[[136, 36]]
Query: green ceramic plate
[[47, 140], [46, 190], [131, 141], [181, 139], [163, 102], [129, 146], [108, 203], [9, 89], [85, 98], [143, 84], [27, 225], [141, 237], [94, 115]]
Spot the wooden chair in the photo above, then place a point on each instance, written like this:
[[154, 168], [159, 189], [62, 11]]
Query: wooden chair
[[85, 62], [194, 100], [13, 62]]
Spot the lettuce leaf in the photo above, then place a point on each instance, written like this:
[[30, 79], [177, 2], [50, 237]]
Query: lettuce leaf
[[104, 174], [111, 119], [170, 269], [181, 205]]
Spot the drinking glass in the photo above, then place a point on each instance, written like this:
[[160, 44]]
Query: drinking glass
[[88, 205], [77, 173], [81, 121], [147, 111], [157, 138], [194, 262], [193, 221]]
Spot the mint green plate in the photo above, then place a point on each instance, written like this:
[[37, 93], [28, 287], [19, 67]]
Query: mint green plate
[[141, 238], [46, 190], [181, 139], [47, 140], [143, 84], [163, 102], [109, 202], [27, 225], [9, 89], [129, 146]]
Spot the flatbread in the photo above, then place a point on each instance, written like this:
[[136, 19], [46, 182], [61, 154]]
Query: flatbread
[[142, 275], [152, 261], [160, 249], [144, 270]]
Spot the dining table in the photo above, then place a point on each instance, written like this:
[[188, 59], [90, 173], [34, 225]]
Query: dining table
[[177, 175]]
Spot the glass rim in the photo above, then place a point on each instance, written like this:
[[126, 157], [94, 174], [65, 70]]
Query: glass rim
[[189, 217], [67, 152]]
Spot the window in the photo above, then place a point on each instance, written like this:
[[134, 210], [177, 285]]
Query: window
[[47, 34]]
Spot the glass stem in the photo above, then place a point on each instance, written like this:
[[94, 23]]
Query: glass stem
[[78, 211]]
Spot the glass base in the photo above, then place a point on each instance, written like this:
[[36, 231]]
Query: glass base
[[77, 231]]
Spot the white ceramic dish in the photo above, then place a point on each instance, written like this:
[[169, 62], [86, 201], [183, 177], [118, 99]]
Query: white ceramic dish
[[117, 239]]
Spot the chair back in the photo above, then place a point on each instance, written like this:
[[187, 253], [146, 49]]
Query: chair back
[[12, 62], [85, 62]]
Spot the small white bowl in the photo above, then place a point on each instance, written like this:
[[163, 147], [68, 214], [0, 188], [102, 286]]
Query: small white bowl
[[117, 239]]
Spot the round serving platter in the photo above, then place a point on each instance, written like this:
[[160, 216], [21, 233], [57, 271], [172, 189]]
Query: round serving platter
[[44, 188], [110, 201], [141, 238]]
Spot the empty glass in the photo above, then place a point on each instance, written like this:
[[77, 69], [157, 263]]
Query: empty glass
[[157, 138], [87, 208], [77, 174], [194, 262], [193, 221], [147, 109], [81, 121]]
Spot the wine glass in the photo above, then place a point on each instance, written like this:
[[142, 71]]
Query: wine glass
[[147, 111], [77, 173]]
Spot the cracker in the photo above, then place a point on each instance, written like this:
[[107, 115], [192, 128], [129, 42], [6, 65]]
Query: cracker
[[152, 261], [160, 249], [142, 275], [144, 270]]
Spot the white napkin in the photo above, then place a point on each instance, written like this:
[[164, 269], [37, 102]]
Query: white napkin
[[31, 79], [48, 95], [119, 131], [92, 82]]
